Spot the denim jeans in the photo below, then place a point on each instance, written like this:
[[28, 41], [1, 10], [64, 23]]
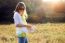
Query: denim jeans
[[22, 40]]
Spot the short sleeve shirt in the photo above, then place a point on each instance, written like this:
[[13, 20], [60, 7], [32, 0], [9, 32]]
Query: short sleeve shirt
[[18, 19]]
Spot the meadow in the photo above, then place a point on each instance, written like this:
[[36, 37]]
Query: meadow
[[45, 33]]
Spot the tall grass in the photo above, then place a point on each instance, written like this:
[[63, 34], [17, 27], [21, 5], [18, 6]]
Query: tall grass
[[46, 33]]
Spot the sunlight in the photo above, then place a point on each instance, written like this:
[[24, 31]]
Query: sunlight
[[51, 1]]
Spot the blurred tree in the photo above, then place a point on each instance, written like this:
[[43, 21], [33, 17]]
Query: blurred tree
[[37, 10], [6, 10]]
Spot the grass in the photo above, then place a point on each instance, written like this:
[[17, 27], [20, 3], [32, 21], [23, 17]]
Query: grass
[[46, 33]]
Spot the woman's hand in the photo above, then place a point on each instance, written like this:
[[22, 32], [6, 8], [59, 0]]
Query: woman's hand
[[32, 29], [29, 26]]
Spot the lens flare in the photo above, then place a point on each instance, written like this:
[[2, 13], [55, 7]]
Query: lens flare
[[51, 1]]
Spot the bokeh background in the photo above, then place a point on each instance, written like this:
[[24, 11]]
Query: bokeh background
[[39, 11], [48, 16]]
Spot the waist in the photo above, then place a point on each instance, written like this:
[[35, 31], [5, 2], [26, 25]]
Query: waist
[[22, 29], [21, 32]]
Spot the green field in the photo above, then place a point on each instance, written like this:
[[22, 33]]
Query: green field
[[46, 33]]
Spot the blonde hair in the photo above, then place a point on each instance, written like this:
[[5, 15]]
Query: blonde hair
[[21, 6]]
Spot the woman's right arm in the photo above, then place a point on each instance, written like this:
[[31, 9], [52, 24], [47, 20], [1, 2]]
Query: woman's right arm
[[21, 25]]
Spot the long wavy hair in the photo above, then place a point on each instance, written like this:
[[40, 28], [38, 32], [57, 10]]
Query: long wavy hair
[[21, 6]]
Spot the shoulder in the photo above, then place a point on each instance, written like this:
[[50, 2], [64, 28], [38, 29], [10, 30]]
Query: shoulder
[[16, 14]]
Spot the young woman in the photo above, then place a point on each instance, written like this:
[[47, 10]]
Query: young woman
[[22, 26]]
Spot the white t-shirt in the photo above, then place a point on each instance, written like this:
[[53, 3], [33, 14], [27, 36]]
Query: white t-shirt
[[18, 20]]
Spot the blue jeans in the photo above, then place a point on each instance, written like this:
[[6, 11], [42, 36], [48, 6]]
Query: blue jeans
[[22, 40]]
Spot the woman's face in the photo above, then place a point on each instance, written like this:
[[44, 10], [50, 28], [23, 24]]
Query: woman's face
[[21, 12]]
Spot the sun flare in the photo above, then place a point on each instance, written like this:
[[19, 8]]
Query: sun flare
[[51, 1]]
